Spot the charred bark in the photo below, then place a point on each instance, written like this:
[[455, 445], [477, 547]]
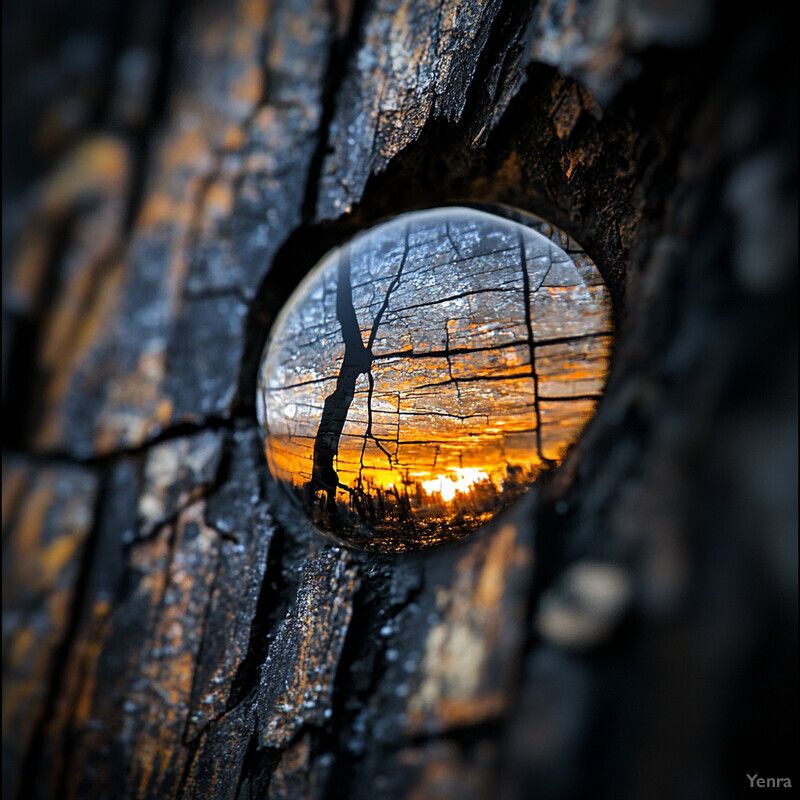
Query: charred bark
[[171, 629]]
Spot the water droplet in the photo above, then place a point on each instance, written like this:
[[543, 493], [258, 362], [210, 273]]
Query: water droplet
[[423, 375]]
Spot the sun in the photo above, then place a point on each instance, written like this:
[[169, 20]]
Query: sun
[[448, 485]]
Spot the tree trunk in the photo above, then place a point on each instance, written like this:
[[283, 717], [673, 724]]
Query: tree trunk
[[170, 628]]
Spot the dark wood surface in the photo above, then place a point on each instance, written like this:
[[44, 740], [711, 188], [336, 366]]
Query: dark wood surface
[[170, 628]]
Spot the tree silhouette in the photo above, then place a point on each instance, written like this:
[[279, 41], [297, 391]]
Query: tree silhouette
[[357, 361]]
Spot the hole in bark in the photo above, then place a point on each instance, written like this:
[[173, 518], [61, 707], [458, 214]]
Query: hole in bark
[[425, 373]]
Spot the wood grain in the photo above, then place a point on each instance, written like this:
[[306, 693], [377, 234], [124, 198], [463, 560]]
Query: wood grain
[[173, 629]]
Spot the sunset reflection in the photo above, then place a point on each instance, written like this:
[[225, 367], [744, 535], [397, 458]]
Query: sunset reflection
[[423, 375]]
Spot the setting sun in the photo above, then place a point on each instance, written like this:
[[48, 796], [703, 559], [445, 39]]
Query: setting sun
[[448, 485]]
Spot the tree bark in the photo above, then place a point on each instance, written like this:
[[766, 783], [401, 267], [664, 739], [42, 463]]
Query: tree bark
[[171, 629]]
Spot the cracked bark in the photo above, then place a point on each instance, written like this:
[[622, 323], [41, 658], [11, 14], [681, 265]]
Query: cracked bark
[[630, 632]]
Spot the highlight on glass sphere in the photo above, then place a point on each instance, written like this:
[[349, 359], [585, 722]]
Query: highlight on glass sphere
[[423, 375]]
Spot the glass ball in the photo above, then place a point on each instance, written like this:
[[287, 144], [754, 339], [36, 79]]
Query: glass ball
[[423, 375]]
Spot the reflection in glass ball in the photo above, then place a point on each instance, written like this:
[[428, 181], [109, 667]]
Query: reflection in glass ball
[[422, 375]]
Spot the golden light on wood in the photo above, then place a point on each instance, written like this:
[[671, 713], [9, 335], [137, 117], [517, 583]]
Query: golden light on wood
[[422, 375]]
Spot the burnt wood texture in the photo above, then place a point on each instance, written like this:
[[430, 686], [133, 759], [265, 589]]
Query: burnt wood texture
[[171, 629]]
